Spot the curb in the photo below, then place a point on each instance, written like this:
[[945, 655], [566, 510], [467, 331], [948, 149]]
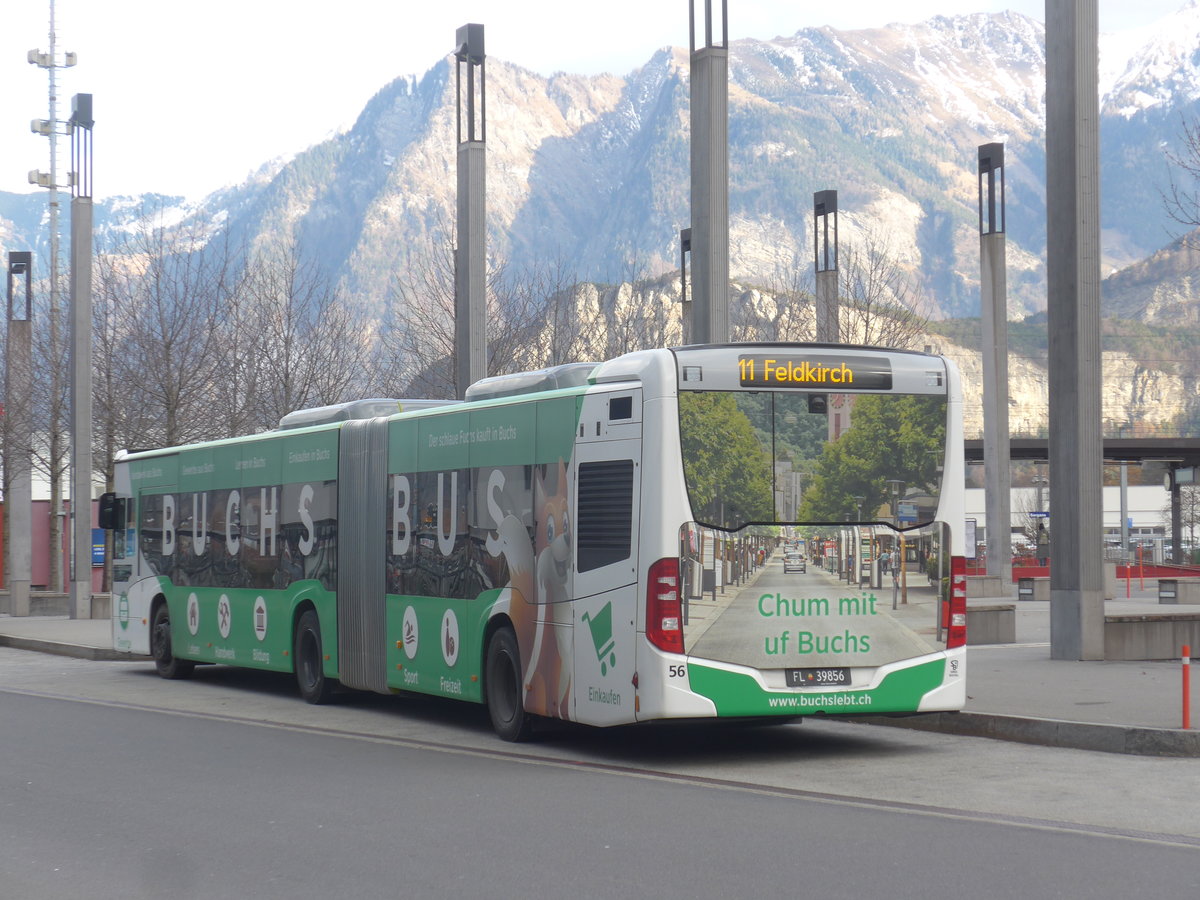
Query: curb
[[1128, 739], [73, 650]]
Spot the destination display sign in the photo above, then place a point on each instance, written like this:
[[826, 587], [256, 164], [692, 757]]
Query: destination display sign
[[828, 372]]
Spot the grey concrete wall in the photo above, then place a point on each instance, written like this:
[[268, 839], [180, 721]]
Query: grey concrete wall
[[985, 586], [1041, 589], [45, 604], [1157, 636], [991, 623], [1184, 590]]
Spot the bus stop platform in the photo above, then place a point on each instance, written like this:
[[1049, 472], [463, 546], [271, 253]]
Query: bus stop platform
[[1015, 691]]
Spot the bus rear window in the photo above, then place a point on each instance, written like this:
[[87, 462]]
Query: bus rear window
[[774, 457]]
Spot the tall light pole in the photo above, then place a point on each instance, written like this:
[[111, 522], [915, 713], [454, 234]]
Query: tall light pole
[[858, 551], [897, 490], [470, 257], [994, 310], [825, 262], [18, 429], [81, 123], [710, 175]]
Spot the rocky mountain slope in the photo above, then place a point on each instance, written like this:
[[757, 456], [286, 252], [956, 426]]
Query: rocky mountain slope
[[589, 175], [592, 172]]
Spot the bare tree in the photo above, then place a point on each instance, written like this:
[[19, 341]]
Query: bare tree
[[235, 354], [543, 317], [1030, 514], [307, 346], [641, 314], [531, 322], [783, 309], [162, 302], [416, 346], [16, 418], [111, 408], [1189, 515], [48, 408], [881, 304], [1182, 199], [557, 313]]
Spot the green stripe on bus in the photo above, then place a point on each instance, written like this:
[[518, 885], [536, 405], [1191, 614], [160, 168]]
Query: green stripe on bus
[[738, 694]]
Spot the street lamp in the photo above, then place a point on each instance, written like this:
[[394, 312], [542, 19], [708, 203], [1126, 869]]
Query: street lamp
[[858, 550], [18, 385], [1040, 481], [897, 488], [81, 124]]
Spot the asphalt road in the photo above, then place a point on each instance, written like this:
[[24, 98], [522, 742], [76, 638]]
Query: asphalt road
[[114, 783]]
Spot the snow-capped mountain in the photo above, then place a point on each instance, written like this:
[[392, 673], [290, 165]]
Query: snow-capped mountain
[[1155, 67]]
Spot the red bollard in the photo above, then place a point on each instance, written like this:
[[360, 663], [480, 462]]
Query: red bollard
[[1187, 687]]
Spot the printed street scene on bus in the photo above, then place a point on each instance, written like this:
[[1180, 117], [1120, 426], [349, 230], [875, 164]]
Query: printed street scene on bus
[[844, 492]]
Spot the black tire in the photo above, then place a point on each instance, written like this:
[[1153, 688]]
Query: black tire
[[310, 671], [165, 661], [502, 687]]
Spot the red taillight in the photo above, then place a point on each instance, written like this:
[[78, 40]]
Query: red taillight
[[664, 612], [956, 609]]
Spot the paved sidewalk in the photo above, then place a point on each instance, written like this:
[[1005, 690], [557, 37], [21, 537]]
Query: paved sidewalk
[[80, 638], [1015, 691]]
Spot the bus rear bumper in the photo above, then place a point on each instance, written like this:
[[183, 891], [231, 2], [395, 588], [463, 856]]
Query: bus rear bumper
[[930, 683]]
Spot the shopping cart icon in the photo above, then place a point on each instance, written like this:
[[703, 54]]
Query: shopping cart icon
[[600, 627]]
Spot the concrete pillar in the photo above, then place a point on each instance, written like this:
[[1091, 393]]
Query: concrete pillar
[[1073, 276]]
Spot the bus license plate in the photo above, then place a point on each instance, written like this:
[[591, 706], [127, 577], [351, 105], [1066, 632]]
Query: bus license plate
[[816, 677]]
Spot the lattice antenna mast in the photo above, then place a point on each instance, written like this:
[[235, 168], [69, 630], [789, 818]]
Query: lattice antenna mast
[[52, 128]]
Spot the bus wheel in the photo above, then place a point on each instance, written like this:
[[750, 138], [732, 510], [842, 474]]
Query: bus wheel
[[167, 664], [310, 674], [502, 687]]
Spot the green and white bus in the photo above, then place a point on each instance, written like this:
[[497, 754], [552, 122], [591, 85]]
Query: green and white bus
[[600, 543]]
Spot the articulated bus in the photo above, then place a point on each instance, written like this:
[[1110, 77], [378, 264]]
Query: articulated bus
[[600, 543]]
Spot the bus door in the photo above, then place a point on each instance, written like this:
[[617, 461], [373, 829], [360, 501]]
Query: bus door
[[119, 517], [607, 491]]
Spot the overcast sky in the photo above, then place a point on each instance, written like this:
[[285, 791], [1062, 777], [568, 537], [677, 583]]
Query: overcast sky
[[191, 96]]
